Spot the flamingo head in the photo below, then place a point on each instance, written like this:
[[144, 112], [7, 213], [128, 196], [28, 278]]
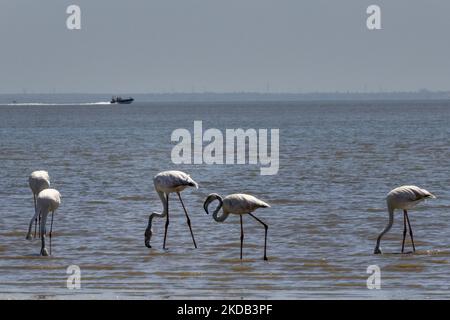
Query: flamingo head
[[148, 236], [212, 197], [149, 231]]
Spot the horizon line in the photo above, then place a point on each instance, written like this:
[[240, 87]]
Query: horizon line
[[348, 92]]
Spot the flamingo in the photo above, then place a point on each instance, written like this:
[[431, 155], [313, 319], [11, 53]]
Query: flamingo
[[238, 204], [404, 197], [38, 181], [167, 182], [47, 200]]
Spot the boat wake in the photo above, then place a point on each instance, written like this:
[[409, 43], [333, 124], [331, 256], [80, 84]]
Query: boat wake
[[56, 104]]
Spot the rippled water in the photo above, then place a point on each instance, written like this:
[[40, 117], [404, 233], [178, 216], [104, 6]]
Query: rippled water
[[337, 162]]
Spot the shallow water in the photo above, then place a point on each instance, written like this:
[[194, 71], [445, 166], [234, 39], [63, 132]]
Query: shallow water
[[337, 162]]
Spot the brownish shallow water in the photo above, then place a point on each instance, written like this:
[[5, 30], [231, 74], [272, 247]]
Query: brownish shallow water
[[337, 162]]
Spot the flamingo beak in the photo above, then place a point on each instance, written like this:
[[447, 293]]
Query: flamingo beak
[[148, 236], [147, 241]]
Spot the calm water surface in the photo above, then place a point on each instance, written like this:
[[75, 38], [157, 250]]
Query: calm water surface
[[337, 162]]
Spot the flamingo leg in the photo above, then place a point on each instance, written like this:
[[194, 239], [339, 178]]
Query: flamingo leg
[[242, 235], [50, 234], [42, 240], [30, 226], [167, 222], [43, 232], [39, 230], [404, 230], [35, 220], [410, 231], [265, 235], [188, 220]]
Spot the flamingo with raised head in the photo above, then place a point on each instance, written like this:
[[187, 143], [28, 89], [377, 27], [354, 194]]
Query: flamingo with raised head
[[167, 182], [38, 181], [238, 204], [405, 197], [47, 201]]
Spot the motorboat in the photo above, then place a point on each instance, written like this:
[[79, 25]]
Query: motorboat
[[120, 100]]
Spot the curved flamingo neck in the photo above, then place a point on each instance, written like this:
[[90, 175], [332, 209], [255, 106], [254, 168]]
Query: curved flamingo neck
[[224, 214], [164, 201], [387, 228]]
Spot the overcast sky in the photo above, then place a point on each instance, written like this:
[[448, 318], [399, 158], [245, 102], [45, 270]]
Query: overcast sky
[[140, 46]]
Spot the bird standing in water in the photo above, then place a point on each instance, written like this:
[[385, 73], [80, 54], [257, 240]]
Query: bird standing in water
[[404, 198], [47, 201], [238, 204], [166, 183], [38, 181]]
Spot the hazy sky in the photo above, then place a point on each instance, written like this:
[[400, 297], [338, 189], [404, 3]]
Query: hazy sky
[[142, 46]]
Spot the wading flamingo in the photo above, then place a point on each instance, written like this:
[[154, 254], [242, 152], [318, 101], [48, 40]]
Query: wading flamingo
[[238, 204], [47, 201], [38, 181], [165, 183], [404, 197]]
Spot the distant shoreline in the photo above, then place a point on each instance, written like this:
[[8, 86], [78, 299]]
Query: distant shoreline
[[422, 95]]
